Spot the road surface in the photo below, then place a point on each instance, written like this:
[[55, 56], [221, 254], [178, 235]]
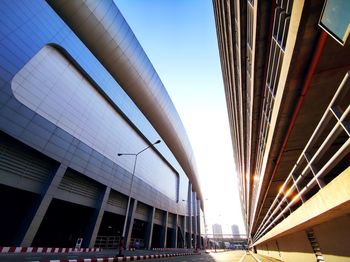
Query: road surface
[[227, 256]]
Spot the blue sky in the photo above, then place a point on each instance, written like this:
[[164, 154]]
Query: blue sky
[[179, 38]]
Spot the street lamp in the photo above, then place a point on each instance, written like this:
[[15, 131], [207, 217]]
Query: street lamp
[[132, 179]]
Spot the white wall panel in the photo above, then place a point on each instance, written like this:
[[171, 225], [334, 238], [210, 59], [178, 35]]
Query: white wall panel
[[50, 85]]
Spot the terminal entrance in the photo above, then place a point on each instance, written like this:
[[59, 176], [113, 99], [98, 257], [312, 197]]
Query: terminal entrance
[[138, 234], [62, 224], [180, 238], [156, 236], [15, 205], [188, 243], [110, 230], [169, 237]]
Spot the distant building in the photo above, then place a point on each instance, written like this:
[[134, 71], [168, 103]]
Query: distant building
[[217, 231], [235, 230]]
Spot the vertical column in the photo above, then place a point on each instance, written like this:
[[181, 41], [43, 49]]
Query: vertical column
[[31, 223], [165, 231], [130, 221], [184, 231], [199, 233], [149, 229], [174, 237], [189, 205], [95, 222], [194, 220]]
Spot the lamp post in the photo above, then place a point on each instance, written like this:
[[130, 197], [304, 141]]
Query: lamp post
[[132, 179]]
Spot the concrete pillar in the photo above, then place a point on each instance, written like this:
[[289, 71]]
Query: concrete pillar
[[184, 231], [95, 221], [164, 231], [31, 223], [149, 229], [199, 233], [194, 219], [130, 221], [174, 244], [189, 217]]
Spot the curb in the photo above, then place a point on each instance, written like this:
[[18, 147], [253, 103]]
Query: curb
[[127, 258], [46, 250], [170, 249]]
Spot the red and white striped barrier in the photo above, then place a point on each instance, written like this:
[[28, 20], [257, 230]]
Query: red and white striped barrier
[[46, 250], [117, 259]]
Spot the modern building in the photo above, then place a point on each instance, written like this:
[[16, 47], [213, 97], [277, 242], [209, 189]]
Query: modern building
[[217, 231], [235, 230], [285, 66], [81, 110]]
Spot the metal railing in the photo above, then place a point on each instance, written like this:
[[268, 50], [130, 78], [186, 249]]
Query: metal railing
[[107, 242], [327, 146], [111, 242]]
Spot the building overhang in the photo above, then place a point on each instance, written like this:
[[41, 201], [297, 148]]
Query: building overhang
[[102, 28], [330, 202]]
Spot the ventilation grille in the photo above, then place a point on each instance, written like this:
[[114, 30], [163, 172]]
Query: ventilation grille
[[118, 200], [158, 215], [19, 160], [170, 219], [141, 209], [75, 183]]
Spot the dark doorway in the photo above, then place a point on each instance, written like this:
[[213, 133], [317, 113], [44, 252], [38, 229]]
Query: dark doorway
[[188, 240], [15, 205], [62, 224], [110, 230], [138, 234], [169, 237], [180, 238], [156, 236]]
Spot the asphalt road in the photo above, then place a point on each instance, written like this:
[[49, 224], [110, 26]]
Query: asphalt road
[[227, 256], [230, 256], [25, 257]]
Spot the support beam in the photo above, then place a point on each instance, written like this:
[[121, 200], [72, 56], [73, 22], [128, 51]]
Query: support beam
[[174, 237], [96, 219], [130, 221], [164, 231], [32, 221], [149, 229]]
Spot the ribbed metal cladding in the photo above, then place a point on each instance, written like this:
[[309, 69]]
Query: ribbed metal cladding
[[19, 163], [158, 217], [118, 200], [228, 13], [141, 209], [103, 29], [76, 183]]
